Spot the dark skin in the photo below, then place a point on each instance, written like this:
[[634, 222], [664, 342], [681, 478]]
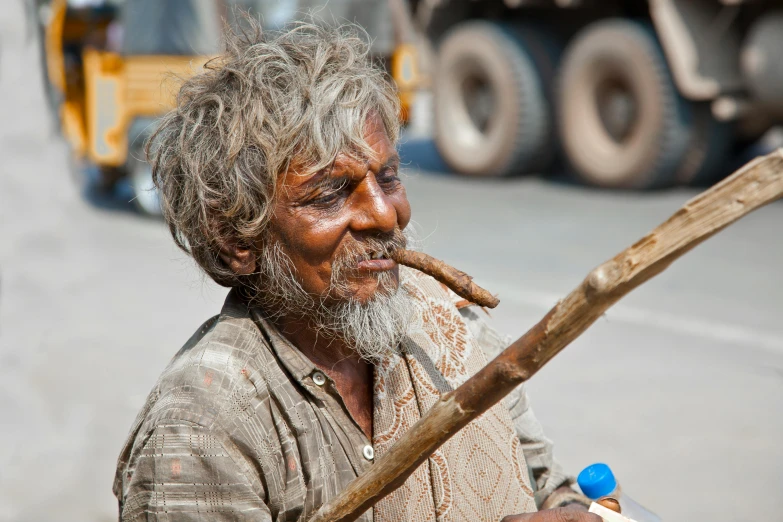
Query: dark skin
[[316, 215]]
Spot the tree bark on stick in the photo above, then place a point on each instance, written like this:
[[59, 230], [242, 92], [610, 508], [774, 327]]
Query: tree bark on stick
[[755, 185]]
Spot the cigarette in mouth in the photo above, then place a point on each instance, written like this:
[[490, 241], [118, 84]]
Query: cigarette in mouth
[[459, 282]]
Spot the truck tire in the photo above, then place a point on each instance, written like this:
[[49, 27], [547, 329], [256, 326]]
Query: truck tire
[[492, 117], [622, 122], [709, 153], [761, 67]]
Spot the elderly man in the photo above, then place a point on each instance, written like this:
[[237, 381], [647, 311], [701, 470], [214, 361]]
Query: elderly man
[[278, 174]]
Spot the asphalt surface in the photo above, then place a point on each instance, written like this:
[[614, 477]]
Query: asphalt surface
[[679, 387]]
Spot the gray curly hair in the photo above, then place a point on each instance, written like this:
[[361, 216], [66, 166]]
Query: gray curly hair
[[299, 95]]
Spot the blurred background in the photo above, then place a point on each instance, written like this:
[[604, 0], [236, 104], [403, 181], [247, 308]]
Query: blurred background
[[541, 137]]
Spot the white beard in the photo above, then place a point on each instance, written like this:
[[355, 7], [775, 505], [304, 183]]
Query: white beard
[[373, 329]]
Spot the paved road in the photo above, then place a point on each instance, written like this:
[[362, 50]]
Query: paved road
[[679, 388]]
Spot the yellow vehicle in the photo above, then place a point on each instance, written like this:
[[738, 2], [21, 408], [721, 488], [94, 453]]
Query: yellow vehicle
[[114, 66]]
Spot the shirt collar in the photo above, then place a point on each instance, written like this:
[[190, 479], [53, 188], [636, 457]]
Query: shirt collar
[[295, 363]]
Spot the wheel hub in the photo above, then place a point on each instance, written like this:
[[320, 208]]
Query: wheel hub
[[617, 109], [479, 100]]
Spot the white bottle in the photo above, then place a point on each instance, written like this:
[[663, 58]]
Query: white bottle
[[598, 481]]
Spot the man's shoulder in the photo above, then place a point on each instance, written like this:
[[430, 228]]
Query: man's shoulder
[[204, 374], [199, 385], [232, 331]]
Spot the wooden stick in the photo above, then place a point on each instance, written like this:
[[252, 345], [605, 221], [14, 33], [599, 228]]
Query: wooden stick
[[460, 282], [756, 184]]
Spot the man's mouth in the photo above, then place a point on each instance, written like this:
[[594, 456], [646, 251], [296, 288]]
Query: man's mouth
[[378, 262]]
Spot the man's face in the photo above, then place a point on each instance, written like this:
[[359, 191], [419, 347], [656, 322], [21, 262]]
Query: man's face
[[320, 218]]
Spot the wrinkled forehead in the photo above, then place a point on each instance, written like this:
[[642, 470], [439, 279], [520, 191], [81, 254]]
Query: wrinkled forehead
[[373, 149]]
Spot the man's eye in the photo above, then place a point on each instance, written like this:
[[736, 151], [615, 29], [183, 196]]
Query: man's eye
[[389, 177], [326, 198]]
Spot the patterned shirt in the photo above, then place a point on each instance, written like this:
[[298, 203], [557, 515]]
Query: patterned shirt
[[242, 426]]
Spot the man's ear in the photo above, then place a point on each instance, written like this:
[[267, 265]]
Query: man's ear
[[240, 259]]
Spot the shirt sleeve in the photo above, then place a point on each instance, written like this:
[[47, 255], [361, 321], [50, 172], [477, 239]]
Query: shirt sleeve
[[546, 473], [187, 473]]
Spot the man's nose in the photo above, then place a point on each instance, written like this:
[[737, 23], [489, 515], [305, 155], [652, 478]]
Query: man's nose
[[374, 208]]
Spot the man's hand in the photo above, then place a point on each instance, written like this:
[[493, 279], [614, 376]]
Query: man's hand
[[564, 514]]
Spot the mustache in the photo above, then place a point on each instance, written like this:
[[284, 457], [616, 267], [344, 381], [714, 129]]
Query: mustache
[[277, 288], [369, 247]]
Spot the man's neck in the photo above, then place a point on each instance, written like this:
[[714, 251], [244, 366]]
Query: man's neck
[[351, 374], [322, 350]]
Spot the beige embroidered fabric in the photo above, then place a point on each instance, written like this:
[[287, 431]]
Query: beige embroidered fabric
[[480, 474], [241, 426]]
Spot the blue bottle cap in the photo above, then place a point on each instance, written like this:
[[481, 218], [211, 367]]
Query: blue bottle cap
[[596, 481]]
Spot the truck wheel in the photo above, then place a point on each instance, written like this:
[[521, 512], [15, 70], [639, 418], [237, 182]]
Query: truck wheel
[[145, 195], [622, 122], [491, 113], [712, 144]]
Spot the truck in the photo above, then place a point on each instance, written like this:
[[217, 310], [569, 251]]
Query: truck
[[625, 94]]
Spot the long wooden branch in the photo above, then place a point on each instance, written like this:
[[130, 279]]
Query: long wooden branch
[[758, 183]]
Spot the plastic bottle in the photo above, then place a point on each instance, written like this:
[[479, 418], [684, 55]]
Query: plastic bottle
[[598, 481]]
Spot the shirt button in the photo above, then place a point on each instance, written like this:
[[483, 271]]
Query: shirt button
[[319, 378], [368, 452]]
